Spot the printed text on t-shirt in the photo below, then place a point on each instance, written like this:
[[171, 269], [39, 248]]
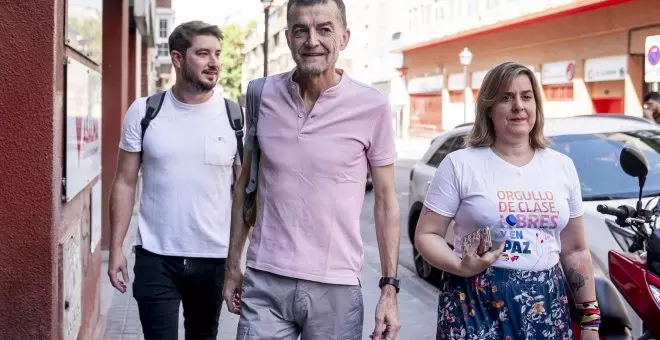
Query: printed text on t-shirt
[[533, 209]]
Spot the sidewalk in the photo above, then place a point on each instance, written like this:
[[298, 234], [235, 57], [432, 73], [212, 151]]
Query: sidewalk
[[417, 304], [120, 310]]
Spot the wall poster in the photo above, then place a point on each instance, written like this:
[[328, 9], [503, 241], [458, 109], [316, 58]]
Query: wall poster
[[83, 127]]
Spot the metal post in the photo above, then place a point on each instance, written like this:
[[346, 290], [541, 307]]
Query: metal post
[[465, 97], [266, 10]]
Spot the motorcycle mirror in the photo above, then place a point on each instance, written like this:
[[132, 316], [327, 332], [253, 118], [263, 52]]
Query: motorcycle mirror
[[633, 162]]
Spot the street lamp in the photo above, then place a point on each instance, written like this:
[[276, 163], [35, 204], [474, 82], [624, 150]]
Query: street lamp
[[466, 58], [266, 4]]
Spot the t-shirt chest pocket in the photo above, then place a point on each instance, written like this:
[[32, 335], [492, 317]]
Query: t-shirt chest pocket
[[218, 150]]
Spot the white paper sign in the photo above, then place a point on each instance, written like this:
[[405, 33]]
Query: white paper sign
[[426, 84], [478, 78], [561, 72], [607, 68], [456, 82]]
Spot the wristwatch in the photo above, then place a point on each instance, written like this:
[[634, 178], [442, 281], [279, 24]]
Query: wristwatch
[[388, 281]]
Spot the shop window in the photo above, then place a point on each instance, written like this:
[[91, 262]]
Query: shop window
[[558, 92], [456, 97]]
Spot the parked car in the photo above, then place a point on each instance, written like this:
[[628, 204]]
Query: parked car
[[594, 143]]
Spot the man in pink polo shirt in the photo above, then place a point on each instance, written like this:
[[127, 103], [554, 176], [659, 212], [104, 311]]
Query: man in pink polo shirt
[[318, 131]]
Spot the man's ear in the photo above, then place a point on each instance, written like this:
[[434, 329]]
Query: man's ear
[[287, 34], [177, 58], [346, 37]]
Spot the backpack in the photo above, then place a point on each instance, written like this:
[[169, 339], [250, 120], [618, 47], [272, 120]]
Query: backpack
[[253, 105], [234, 114]]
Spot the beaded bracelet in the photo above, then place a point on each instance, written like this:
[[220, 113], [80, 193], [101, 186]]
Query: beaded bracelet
[[590, 315]]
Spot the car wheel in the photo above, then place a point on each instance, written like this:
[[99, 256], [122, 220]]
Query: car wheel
[[426, 271]]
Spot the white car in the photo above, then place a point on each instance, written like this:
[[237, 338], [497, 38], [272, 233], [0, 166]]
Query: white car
[[594, 143]]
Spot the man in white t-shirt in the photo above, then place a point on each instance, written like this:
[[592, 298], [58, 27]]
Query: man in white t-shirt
[[188, 157]]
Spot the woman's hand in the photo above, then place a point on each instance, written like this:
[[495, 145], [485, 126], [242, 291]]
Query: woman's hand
[[473, 264], [589, 335]]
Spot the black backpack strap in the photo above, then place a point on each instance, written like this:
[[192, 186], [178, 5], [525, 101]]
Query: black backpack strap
[[236, 120], [154, 103]]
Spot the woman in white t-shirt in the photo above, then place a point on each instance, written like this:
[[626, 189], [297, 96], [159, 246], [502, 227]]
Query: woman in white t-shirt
[[529, 196]]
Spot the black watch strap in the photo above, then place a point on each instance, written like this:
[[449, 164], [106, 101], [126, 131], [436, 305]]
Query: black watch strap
[[389, 281]]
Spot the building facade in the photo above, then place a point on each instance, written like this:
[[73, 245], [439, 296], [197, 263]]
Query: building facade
[[70, 70], [587, 54], [165, 21]]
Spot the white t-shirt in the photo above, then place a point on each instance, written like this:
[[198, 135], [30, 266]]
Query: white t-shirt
[[187, 173], [478, 189]]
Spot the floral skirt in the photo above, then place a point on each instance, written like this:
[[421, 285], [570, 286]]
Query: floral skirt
[[505, 304]]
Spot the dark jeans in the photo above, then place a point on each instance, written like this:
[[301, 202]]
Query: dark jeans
[[163, 282]]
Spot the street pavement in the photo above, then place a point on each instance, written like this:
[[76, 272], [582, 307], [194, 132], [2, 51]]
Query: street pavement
[[417, 298]]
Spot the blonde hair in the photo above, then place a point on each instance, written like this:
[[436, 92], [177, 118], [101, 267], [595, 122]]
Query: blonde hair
[[496, 82]]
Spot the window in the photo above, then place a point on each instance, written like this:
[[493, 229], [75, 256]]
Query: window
[[596, 159], [458, 143], [163, 50], [440, 154], [427, 14], [163, 28], [449, 146], [558, 92]]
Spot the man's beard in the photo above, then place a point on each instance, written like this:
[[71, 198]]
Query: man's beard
[[190, 78], [309, 68]]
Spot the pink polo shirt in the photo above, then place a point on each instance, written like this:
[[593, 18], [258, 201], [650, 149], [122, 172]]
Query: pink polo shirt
[[312, 177]]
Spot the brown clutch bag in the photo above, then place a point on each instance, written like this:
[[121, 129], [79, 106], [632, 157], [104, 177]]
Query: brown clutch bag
[[481, 238]]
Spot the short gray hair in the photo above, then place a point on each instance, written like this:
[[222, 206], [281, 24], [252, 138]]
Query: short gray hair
[[340, 4]]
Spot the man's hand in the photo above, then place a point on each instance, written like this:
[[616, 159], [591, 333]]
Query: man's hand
[[117, 263], [387, 315], [231, 290]]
